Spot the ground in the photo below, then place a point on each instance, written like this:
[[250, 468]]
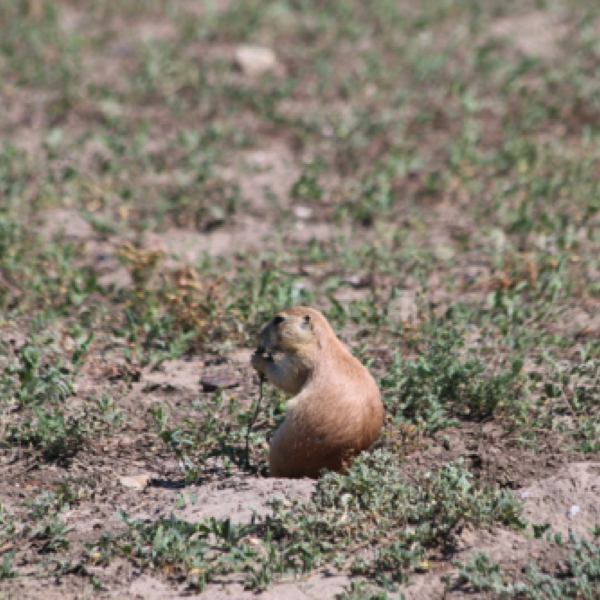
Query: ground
[[426, 175]]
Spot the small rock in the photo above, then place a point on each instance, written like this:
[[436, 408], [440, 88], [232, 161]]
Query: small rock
[[136, 482], [444, 252], [358, 282], [111, 108], [255, 60], [302, 212], [212, 384], [573, 511]]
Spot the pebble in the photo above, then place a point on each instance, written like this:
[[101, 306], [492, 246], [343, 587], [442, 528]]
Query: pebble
[[255, 60]]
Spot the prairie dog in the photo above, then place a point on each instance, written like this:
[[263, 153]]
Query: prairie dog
[[336, 412]]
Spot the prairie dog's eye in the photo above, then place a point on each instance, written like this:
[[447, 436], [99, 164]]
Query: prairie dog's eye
[[306, 320], [277, 320]]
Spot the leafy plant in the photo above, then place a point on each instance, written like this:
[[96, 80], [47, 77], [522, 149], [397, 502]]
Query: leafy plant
[[46, 526], [217, 440], [369, 507], [440, 385], [31, 383], [581, 581]]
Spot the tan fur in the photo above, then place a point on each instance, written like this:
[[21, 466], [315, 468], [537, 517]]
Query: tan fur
[[336, 412]]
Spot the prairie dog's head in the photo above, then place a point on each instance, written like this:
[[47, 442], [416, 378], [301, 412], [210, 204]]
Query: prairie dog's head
[[290, 330]]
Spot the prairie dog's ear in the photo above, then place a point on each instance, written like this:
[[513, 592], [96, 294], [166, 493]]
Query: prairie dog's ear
[[306, 321], [278, 320]]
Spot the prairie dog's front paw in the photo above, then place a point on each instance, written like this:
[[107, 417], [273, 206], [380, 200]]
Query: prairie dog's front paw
[[260, 363]]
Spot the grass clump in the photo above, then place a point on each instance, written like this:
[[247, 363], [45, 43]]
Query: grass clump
[[440, 386], [582, 580], [384, 523], [216, 441], [58, 435], [370, 520]]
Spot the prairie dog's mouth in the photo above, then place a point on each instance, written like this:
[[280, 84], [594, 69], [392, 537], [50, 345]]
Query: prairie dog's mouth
[[265, 344], [271, 348]]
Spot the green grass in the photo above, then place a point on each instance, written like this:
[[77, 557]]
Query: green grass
[[452, 174], [582, 579], [370, 508]]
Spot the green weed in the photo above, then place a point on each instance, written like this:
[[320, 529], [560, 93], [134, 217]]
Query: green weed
[[216, 440], [442, 385], [370, 507], [581, 581]]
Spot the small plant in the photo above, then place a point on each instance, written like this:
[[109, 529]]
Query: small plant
[[175, 546], [58, 435], [357, 591], [43, 516], [30, 383], [141, 264], [219, 440], [41, 525], [52, 431], [439, 386], [307, 186], [369, 507], [6, 571], [581, 581]]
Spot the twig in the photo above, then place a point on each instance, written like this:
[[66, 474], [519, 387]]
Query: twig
[[253, 420]]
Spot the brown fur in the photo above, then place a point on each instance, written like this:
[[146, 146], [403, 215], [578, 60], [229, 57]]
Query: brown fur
[[336, 412]]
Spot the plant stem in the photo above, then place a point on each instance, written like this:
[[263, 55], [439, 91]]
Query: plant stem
[[253, 420]]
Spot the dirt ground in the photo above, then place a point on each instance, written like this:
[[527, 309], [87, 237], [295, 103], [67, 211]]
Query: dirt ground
[[549, 480], [138, 152]]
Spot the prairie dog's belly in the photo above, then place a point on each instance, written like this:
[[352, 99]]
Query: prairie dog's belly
[[309, 426], [319, 436]]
